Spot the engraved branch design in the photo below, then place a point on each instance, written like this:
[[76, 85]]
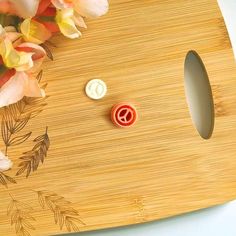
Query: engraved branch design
[[20, 216], [5, 179], [15, 118], [31, 159], [64, 215], [45, 46]]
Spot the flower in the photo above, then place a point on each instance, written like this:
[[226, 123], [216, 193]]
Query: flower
[[37, 54], [33, 29], [19, 85], [91, 8], [40, 16], [18, 60], [5, 163], [86, 8], [41, 26], [15, 54], [67, 21], [22, 8], [46, 15], [11, 58], [70, 14]]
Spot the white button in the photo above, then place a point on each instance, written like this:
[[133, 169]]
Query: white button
[[96, 89]]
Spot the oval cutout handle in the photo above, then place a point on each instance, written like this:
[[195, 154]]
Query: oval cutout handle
[[199, 95]]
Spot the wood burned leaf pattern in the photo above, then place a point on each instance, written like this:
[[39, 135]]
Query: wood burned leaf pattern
[[5, 179], [48, 51], [16, 117], [39, 76], [20, 217], [31, 159], [19, 139], [65, 216]]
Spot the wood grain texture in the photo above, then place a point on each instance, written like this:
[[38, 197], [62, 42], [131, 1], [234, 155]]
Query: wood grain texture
[[156, 169]]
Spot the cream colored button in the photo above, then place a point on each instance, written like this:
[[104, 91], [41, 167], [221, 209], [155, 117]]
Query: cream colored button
[[96, 89]]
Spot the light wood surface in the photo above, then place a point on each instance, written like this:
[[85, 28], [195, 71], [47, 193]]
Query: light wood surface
[[161, 167]]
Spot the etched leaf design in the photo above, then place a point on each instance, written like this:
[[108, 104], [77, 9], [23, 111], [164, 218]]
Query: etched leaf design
[[31, 159], [20, 216], [5, 129], [65, 216], [16, 116], [21, 124], [9, 179], [39, 75], [2, 180], [19, 139], [48, 51], [10, 207], [5, 179]]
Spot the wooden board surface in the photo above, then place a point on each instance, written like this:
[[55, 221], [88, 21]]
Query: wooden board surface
[[156, 169]]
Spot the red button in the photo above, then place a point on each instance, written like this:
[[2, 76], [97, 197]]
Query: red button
[[124, 115]]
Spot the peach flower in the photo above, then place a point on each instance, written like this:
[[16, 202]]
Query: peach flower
[[91, 8], [19, 85], [86, 8], [67, 21], [70, 14], [21, 56], [18, 60], [22, 8]]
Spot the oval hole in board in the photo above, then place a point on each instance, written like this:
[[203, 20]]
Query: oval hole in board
[[199, 95]]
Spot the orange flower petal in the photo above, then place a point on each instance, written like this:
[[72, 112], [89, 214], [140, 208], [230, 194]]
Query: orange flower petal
[[6, 76]]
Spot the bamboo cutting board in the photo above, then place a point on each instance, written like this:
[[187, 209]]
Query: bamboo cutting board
[[95, 175]]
